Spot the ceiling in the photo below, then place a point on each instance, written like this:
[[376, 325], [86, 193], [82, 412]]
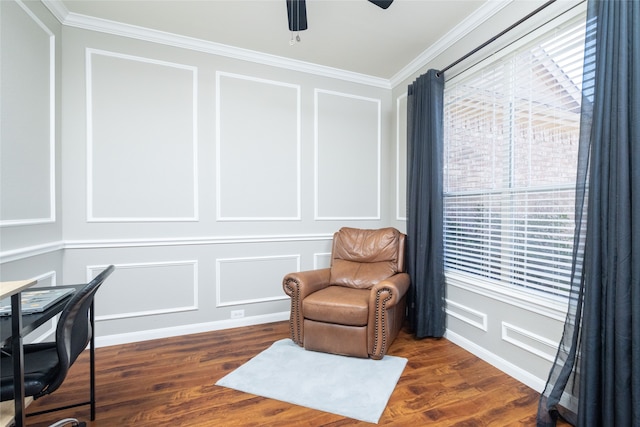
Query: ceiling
[[350, 35]]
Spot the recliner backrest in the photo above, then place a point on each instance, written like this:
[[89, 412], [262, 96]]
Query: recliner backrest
[[361, 258]]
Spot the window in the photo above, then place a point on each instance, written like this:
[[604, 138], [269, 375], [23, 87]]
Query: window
[[511, 145]]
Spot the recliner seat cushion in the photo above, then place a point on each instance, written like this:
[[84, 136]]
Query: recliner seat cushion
[[362, 258], [337, 304]]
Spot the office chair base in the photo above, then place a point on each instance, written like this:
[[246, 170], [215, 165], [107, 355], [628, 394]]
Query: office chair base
[[72, 421]]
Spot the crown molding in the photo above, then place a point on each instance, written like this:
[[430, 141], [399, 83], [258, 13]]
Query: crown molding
[[70, 19], [477, 18], [470, 23], [57, 8]]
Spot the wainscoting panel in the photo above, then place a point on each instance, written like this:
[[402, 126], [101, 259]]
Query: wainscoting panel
[[257, 149], [529, 341], [257, 277], [467, 315], [141, 139], [144, 289], [347, 155], [27, 164], [322, 260]]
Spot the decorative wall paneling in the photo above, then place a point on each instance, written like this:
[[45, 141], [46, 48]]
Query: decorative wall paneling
[[467, 315], [347, 155], [250, 280], [257, 149], [401, 157], [529, 341], [27, 164], [321, 260], [519, 336], [162, 289], [142, 139], [147, 289]]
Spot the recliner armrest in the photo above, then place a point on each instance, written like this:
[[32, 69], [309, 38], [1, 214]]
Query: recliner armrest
[[386, 313], [307, 282], [395, 286], [298, 286]]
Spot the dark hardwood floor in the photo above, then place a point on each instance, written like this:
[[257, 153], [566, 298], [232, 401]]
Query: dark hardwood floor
[[170, 382]]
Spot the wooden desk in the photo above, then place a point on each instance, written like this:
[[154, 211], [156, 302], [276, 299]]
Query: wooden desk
[[8, 289], [13, 290], [7, 409]]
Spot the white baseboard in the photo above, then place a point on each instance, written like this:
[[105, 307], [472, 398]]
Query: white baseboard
[[505, 366], [153, 334]]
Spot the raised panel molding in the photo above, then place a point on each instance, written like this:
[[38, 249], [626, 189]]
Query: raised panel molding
[[347, 153], [401, 157], [531, 342], [155, 105], [256, 118], [263, 274], [321, 260], [141, 295], [467, 315], [26, 162]]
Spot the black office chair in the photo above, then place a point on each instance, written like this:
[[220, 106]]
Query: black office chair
[[46, 364]]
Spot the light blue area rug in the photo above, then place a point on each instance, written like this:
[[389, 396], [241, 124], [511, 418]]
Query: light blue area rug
[[347, 386]]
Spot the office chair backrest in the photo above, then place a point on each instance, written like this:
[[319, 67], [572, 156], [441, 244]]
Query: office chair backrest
[[73, 332]]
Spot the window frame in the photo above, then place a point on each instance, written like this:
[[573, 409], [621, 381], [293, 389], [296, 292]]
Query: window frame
[[543, 303]]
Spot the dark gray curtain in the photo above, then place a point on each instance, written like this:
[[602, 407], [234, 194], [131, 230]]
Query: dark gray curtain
[[598, 360], [425, 262]]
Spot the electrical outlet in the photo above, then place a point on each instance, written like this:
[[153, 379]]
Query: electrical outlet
[[237, 314]]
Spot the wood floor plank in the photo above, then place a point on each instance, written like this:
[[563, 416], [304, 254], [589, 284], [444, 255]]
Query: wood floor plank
[[171, 382]]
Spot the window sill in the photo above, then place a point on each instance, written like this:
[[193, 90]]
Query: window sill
[[551, 307]]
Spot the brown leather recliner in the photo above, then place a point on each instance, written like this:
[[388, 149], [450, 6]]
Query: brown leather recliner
[[357, 306]]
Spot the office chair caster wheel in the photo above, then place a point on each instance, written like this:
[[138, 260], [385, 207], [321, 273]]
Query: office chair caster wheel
[[70, 421]]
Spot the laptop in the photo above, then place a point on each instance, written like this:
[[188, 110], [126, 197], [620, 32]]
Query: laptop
[[36, 300]]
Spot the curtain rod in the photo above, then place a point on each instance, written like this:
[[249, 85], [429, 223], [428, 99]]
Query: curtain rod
[[494, 38]]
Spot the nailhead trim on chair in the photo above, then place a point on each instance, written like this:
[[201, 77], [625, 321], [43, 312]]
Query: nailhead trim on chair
[[381, 320], [294, 293]]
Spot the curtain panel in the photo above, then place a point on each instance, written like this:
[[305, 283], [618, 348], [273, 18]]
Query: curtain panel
[[425, 258], [595, 380]]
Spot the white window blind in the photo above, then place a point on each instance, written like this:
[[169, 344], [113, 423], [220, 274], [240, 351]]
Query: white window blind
[[511, 144]]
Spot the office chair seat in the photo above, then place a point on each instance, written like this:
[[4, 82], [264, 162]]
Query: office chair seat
[[40, 364]]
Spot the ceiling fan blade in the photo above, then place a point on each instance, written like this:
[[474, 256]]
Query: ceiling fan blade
[[382, 3], [297, 14]]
